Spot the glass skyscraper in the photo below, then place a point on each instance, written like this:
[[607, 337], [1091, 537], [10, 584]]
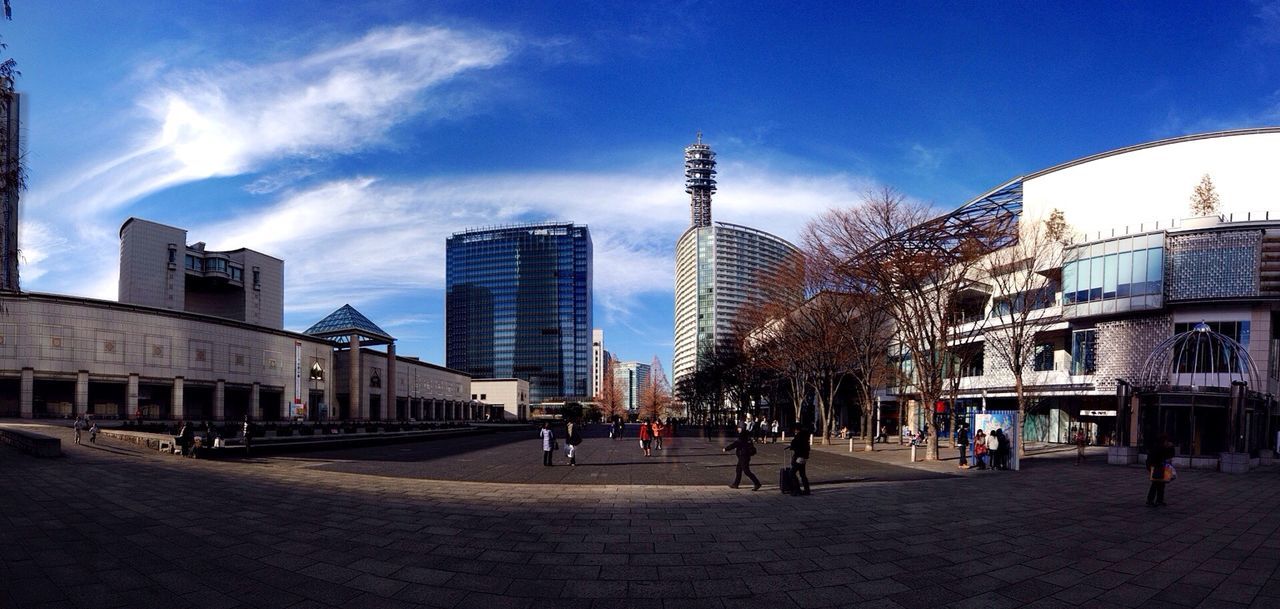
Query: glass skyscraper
[[518, 305]]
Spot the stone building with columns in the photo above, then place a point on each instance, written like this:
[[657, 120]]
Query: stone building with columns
[[155, 355]]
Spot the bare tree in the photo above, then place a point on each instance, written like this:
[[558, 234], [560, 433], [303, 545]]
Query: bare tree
[[1204, 199], [609, 397], [919, 269], [1022, 296]]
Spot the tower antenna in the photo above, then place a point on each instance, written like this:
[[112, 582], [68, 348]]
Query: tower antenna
[[699, 180]]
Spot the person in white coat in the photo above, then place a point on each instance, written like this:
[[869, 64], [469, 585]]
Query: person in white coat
[[548, 443]]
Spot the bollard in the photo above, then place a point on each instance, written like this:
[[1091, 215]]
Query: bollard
[[913, 453], [850, 444]]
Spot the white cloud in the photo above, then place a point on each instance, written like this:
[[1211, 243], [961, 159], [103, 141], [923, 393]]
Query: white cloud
[[236, 118]]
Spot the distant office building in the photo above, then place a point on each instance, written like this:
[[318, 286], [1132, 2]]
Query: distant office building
[[518, 305], [718, 266], [507, 399], [598, 360], [158, 269], [631, 377], [9, 159]]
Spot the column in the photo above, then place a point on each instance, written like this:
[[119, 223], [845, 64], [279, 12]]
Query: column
[[82, 392], [131, 397], [255, 401], [175, 409], [220, 400], [435, 409], [389, 394], [353, 379], [27, 393]]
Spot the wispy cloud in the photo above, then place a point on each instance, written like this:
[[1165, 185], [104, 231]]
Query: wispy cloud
[[239, 118]]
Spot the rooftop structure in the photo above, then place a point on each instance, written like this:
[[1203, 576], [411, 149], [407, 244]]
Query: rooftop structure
[[699, 181]]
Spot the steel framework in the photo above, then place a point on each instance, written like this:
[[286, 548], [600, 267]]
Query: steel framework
[[699, 181]]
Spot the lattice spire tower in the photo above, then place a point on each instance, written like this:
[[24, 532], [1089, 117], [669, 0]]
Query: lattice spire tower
[[700, 180]]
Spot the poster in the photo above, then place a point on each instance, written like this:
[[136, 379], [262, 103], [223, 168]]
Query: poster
[[1005, 420]]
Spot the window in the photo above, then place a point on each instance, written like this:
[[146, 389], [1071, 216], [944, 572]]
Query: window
[[1137, 272], [1043, 357], [1083, 343], [173, 253]]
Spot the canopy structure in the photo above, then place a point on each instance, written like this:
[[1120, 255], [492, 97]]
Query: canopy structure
[[987, 223], [340, 325], [1199, 357]]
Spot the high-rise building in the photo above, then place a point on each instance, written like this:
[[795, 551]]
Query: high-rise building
[[10, 186], [598, 361], [518, 305], [718, 266], [631, 377], [159, 269]]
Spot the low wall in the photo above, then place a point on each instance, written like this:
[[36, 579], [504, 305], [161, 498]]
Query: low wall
[[30, 442]]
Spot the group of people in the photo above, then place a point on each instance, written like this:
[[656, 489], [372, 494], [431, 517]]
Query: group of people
[[652, 433], [990, 450], [82, 423], [550, 443]]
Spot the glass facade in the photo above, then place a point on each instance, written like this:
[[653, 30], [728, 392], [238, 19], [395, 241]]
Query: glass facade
[[1120, 275], [518, 305], [1083, 349]]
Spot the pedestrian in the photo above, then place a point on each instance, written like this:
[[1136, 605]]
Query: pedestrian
[[658, 428], [993, 449], [1002, 453], [774, 431], [980, 449], [1080, 444], [79, 427], [962, 442], [572, 438], [548, 443], [93, 434], [187, 439], [248, 435], [744, 448], [706, 429], [800, 446], [1160, 469], [884, 435], [646, 438]]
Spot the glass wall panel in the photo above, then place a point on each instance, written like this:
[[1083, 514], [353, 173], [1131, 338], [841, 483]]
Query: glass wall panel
[[1109, 276], [1069, 282], [1155, 270], [1095, 278]]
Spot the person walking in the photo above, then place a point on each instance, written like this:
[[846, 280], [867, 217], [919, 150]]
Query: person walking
[[800, 447], [658, 429], [774, 431], [572, 438], [79, 427], [962, 442], [187, 439], [93, 434], [1159, 469], [980, 449], [744, 448], [1081, 441], [248, 435], [646, 438], [993, 450], [548, 443]]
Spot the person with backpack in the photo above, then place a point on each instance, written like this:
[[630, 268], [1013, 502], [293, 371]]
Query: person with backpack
[[744, 448], [800, 448], [571, 441]]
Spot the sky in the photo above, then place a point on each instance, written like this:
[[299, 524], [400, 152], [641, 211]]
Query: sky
[[352, 138]]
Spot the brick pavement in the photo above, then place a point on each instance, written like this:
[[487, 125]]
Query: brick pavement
[[110, 527]]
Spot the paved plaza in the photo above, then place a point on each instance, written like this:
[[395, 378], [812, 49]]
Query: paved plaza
[[109, 525]]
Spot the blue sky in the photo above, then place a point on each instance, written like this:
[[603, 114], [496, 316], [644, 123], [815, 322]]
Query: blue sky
[[352, 138]]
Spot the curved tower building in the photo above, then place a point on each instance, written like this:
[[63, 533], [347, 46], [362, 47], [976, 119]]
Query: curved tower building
[[717, 267]]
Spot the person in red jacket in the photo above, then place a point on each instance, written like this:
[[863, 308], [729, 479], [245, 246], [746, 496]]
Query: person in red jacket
[[659, 430], [646, 437]]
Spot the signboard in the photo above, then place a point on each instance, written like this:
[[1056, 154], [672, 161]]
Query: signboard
[[1004, 420], [1097, 413]]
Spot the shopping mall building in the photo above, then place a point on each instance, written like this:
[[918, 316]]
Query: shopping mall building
[[197, 335], [1153, 320]]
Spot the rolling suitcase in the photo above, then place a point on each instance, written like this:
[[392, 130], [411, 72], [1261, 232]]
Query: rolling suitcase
[[788, 482]]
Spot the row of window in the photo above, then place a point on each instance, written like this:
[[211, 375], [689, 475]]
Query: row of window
[[1120, 275]]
